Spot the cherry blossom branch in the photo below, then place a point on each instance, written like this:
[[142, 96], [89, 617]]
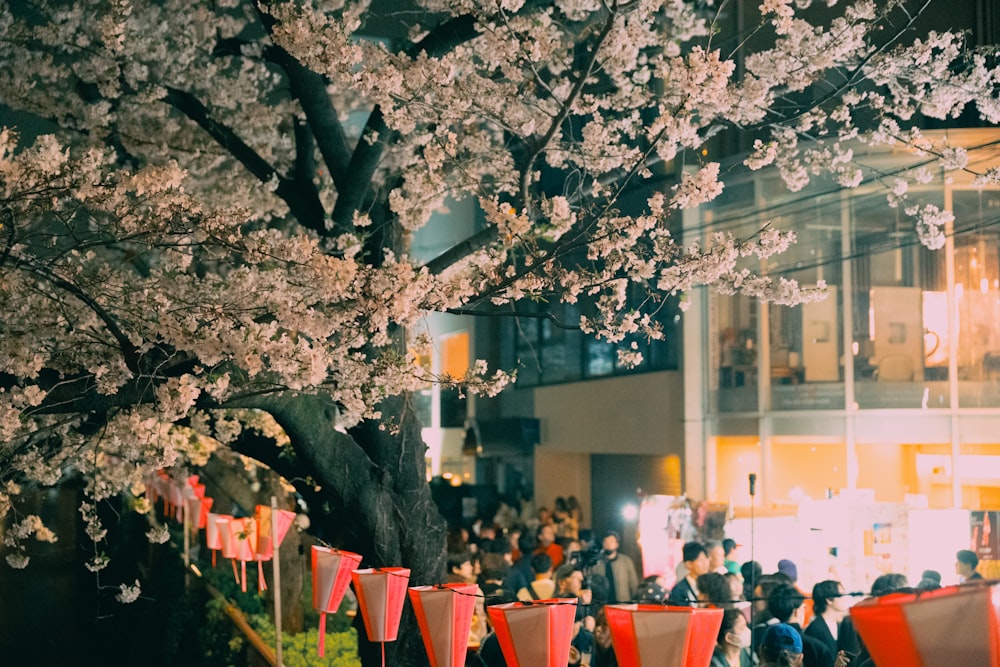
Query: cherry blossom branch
[[566, 105], [301, 197]]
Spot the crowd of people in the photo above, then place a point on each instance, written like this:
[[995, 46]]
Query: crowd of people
[[767, 620]]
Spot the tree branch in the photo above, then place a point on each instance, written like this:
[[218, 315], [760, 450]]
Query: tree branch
[[301, 197]]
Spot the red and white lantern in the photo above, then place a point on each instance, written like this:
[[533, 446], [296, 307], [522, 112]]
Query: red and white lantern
[[444, 614], [331, 575], [242, 544], [536, 633], [646, 635], [381, 592], [956, 625]]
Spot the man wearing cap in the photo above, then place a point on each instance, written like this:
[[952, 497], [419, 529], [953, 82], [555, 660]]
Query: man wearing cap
[[785, 604], [965, 565], [781, 647]]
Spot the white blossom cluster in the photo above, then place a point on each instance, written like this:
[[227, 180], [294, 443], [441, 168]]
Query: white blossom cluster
[[228, 210]]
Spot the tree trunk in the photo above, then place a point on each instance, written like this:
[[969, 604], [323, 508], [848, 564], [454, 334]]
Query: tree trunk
[[368, 493]]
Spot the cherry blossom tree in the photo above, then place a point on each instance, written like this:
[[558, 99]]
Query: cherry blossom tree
[[212, 248]]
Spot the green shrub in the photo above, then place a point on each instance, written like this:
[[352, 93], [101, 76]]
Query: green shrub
[[300, 650]]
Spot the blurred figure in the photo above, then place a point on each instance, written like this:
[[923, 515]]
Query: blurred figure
[[785, 604], [966, 563], [732, 648], [604, 652], [830, 606], [716, 557], [781, 647], [930, 580], [729, 547], [685, 591], [714, 590], [617, 568]]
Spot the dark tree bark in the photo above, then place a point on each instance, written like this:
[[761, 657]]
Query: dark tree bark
[[373, 498]]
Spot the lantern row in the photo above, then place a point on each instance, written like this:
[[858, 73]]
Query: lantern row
[[900, 630]]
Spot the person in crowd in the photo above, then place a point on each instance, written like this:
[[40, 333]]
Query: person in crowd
[[575, 509], [650, 592], [789, 569], [457, 539], [566, 526], [571, 549], [785, 604], [495, 572], [729, 547], [716, 557], [732, 648], [489, 653], [521, 574], [830, 606], [617, 568], [460, 569], [855, 653], [760, 618], [546, 537], [888, 583], [751, 571], [604, 651], [930, 580], [781, 646], [966, 562], [569, 584], [542, 587], [713, 589], [685, 591], [735, 583]]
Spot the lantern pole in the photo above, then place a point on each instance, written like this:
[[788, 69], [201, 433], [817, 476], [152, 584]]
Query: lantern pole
[[187, 542], [277, 579]]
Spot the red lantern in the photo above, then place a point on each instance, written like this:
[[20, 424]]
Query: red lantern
[[331, 574], [647, 635], [242, 544], [264, 549], [381, 592], [536, 633], [444, 614], [956, 625], [216, 525]]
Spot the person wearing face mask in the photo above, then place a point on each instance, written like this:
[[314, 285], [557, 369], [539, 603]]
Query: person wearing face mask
[[732, 648]]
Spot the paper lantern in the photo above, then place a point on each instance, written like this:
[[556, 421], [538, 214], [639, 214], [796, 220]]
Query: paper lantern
[[956, 625], [381, 592], [204, 506], [331, 574], [444, 614], [535, 633], [265, 548], [649, 635], [216, 526], [243, 536]]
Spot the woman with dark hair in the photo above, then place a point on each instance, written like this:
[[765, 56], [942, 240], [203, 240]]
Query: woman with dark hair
[[732, 647], [713, 588], [604, 652]]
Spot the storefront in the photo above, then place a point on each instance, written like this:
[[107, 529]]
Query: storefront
[[887, 391]]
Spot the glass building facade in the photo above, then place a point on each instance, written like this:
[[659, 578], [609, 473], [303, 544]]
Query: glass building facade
[[892, 382]]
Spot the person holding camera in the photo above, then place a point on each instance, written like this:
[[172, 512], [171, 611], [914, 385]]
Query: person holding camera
[[617, 568]]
